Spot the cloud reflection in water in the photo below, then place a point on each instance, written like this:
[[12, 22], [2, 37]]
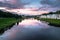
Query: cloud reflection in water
[[31, 29]]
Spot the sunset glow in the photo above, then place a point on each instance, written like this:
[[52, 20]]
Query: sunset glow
[[30, 22], [30, 7], [26, 11]]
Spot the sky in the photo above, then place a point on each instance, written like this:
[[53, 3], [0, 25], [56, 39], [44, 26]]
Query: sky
[[30, 7]]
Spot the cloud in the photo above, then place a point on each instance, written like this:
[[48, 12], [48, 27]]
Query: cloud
[[31, 7], [12, 3], [52, 3], [7, 5]]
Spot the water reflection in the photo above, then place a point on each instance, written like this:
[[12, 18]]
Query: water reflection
[[32, 23], [31, 29]]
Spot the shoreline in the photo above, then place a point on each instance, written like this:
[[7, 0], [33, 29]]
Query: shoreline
[[7, 27], [52, 22], [6, 23]]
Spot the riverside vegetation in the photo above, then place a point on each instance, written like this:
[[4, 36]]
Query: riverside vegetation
[[53, 22], [7, 20]]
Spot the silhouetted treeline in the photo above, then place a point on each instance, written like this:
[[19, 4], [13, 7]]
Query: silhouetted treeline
[[8, 14], [57, 14]]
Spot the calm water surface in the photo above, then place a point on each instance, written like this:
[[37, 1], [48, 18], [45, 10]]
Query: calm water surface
[[31, 29]]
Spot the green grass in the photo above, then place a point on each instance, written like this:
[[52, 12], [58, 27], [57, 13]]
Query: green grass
[[6, 23], [54, 22]]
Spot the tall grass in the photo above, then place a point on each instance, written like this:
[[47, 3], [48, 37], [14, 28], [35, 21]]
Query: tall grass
[[6, 23]]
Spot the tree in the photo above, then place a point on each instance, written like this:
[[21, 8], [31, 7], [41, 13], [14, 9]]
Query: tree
[[8, 14], [58, 14], [51, 13]]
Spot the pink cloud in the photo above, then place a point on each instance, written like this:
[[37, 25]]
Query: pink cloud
[[1, 0], [12, 1], [26, 11], [29, 11]]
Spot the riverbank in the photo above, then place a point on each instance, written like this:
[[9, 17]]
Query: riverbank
[[6, 23], [53, 22]]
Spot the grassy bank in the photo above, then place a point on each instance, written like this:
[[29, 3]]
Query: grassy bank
[[53, 22], [6, 23]]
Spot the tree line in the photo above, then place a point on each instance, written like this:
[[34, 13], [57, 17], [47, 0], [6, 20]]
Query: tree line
[[51, 13], [8, 14]]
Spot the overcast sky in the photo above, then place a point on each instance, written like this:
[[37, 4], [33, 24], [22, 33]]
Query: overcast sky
[[34, 7]]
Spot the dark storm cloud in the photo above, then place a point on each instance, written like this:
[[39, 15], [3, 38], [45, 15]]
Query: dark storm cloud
[[17, 4], [52, 3]]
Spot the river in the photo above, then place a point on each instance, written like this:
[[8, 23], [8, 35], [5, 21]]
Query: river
[[31, 29]]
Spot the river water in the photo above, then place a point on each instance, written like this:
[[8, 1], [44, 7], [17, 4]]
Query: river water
[[31, 29]]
